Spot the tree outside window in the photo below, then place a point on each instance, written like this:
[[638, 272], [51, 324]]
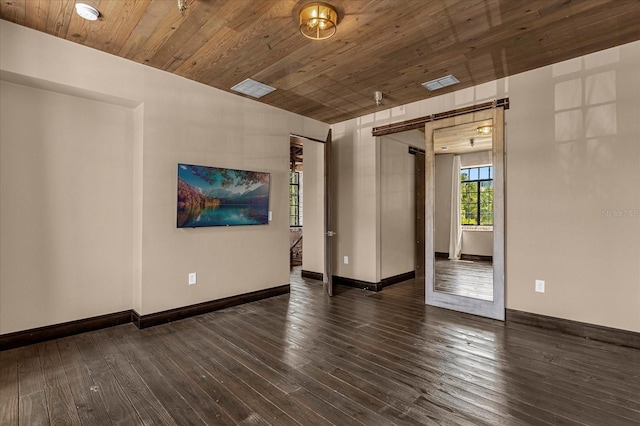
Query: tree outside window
[[295, 218], [476, 196]]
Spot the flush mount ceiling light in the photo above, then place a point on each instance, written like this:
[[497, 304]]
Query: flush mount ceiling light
[[318, 21], [252, 88], [484, 130], [87, 12], [439, 83]]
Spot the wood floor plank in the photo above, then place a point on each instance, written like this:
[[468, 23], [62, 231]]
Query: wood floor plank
[[144, 362], [344, 408], [30, 374], [117, 404], [324, 407], [207, 409], [303, 359], [464, 278], [398, 417], [632, 414], [373, 402], [210, 358], [88, 400], [60, 403], [33, 409], [257, 346], [9, 393], [476, 388], [147, 406], [308, 351], [357, 402], [215, 390], [253, 374], [32, 398]]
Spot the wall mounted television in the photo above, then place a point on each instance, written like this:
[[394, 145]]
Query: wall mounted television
[[215, 196]]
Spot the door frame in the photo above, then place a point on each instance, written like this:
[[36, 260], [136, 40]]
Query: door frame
[[492, 309], [327, 269], [328, 220]]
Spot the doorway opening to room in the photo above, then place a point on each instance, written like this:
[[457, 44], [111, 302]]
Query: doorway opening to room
[[296, 203], [464, 218], [310, 219], [402, 206]]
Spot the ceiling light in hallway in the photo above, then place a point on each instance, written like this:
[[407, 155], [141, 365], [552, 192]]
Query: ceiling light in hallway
[[318, 21]]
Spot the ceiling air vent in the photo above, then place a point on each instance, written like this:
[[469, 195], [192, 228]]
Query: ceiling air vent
[[252, 88], [441, 82]]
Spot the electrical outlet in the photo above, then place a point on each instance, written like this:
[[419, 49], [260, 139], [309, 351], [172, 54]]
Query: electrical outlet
[[270, 215], [346, 260], [540, 286], [192, 278]]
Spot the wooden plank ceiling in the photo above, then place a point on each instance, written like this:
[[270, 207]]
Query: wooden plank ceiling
[[388, 45]]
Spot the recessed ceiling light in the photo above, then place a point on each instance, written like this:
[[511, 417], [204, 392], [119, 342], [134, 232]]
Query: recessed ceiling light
[[441, 82], [87, 12], [253, 88], [445, 148]]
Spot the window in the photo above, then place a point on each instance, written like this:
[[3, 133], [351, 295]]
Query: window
[[295, 211], [476, 196]]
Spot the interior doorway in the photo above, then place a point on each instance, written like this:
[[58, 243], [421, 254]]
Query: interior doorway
[[402, 195], [310, 183], [296, 200]]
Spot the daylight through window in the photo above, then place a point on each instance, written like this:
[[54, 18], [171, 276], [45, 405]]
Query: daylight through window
[[476, 196], [295, 214]]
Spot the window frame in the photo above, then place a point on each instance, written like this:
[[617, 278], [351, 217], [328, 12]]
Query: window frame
[[294, 209], [478, 204]]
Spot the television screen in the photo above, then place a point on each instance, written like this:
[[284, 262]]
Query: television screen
[[213, 196]]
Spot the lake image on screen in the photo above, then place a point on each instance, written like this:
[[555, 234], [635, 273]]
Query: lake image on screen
[[211, 196]]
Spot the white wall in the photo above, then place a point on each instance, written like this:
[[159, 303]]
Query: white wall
[[572, 198], [66, 201], [414, 138], [169, 120], [356, 201], [573, 161], [442, 213], [397, 208], [477, 242], [313, 229], [472, 159]]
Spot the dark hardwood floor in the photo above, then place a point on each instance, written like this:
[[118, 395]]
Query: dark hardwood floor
[[465, 278], [303, 359]]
